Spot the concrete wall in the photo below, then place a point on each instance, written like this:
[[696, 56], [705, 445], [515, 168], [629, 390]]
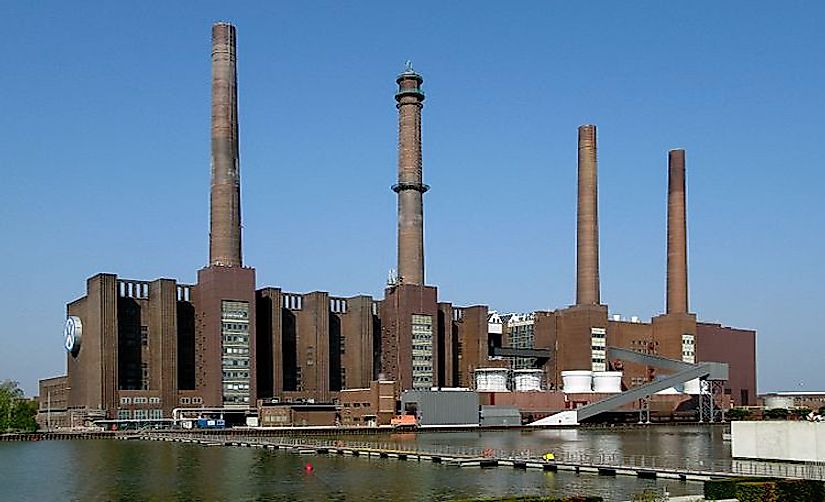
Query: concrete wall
[[788, 441]]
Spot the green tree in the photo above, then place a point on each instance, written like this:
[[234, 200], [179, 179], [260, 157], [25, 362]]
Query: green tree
[[738, 414], [16, 412], [776, 413], [801, 413]]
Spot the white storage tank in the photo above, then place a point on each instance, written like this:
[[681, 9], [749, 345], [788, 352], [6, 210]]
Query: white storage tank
[[577, 381], [607, 381], [527, 380], [693, 387], [491, 379], [775, 402]]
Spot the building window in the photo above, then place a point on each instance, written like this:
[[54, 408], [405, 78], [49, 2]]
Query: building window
[[184, 400], [124, 414], [422, 353], [521, 331], [125, 400], [154, 400], [141, 414], [155, 414], [144, 335], [688, 348], [598, 349], [236, 350]]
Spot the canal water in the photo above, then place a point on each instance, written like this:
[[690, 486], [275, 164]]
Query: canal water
[[141, 470]]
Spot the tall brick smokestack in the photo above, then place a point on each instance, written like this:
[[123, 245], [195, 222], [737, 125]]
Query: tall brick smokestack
[[587, 235], [410, 188], [677, 286], [225, 195]]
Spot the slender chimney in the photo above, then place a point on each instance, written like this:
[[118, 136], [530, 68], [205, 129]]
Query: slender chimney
[[409, 188], [587, 236], [677, 286], [225, 195]]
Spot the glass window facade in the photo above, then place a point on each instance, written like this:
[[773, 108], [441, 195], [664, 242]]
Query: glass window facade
[[422, 351], [688, 348], [598, 349], [235, 345], [522, 336]]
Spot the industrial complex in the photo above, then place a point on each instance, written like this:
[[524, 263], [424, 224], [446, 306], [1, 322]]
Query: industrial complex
[[154, 350]]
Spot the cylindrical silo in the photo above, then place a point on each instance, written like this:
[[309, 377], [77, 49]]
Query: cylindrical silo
[[607, 381], [527, 380], [577, 381], [775, 402], [491, 379]]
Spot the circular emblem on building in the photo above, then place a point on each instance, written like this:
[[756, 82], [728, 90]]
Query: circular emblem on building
[[72, 332]]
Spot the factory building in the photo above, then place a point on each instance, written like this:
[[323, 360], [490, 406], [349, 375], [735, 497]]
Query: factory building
[[139, 349], [577, 337]]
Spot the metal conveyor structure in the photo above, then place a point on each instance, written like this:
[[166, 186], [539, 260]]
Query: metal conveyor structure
[[682, 372]]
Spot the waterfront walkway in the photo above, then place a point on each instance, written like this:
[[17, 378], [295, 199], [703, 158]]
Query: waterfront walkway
[[465, 456]]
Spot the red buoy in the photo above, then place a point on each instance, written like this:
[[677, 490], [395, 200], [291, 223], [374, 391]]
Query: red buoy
[[308, 468]]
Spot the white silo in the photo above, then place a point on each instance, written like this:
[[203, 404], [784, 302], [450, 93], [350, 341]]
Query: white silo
[[577, 381], [607, 381], [527, 380], [491, 379]]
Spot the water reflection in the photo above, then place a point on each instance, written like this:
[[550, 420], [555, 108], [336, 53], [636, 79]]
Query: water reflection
[[137, 470]]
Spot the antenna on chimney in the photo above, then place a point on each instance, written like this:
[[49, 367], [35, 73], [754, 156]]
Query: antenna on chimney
[[392, 278]]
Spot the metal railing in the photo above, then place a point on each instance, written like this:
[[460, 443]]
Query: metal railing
[[600, 460]]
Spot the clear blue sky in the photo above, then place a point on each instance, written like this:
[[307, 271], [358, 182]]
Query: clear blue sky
[[104, 130]]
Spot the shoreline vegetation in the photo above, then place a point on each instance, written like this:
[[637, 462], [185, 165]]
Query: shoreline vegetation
[[16, 411]]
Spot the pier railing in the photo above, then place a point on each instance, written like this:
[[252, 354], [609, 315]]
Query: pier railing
[[600, 461]]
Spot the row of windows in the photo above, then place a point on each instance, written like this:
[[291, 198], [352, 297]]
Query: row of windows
[[193, 400], [235, 386], [268, 419], [242, 339], [139, 400], [231, 315], [236, 399], [236, 374], [235, 350], [139, 414], [425, 320], [357, 405], [243, 363], [235, 326], [422, 382], [422, 335]]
